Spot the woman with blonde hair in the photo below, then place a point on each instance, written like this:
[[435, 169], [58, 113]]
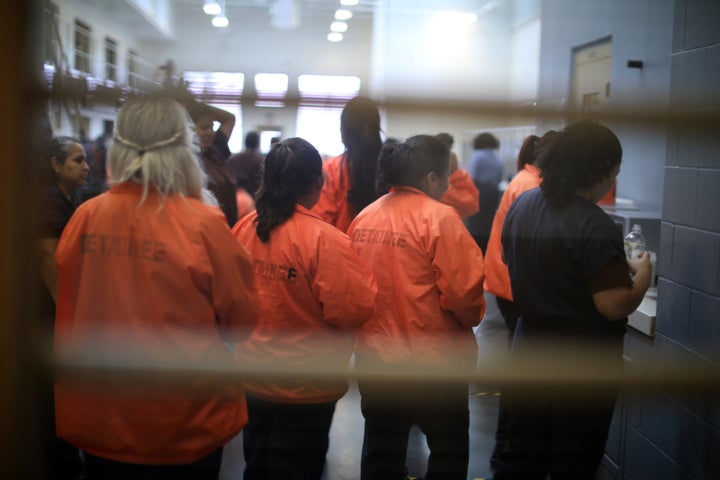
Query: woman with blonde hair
[[149, 273]]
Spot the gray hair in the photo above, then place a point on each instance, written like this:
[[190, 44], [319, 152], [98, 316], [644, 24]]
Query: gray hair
[[155, 145]]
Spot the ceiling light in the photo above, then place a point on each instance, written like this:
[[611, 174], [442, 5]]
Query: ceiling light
[[220, 21], [342, 14], [334, 37], [349, 3], [339, 27], [212, 7]]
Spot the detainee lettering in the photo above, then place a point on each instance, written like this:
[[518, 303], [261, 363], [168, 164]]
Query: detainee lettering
[[118, 246], [371, 236]]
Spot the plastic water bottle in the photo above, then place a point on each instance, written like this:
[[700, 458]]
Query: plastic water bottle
[[634, 243]]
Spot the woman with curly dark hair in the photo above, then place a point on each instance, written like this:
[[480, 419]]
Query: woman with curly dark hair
[[573, 290]]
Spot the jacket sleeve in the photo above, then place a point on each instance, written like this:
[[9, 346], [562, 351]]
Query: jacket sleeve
[[343, 283], [462, 194], [458, 265], [233, 289]]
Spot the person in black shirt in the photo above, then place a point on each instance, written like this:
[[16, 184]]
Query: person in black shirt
[[64, 168], [573, 290]]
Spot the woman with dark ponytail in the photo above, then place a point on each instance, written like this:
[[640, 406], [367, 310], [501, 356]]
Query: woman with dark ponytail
[[313, 290], [350, 184], [430, 274]]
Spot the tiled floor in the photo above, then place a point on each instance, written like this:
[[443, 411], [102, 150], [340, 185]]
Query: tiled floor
[[343, 458]]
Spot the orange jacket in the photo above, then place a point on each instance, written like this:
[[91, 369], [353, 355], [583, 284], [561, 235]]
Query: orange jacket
[[333, 205], [313, 291], [150, 284], [497, 278], [462, 194], [429, 272]]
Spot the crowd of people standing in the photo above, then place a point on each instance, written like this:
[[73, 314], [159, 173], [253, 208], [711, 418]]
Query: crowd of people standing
[[383, 253]]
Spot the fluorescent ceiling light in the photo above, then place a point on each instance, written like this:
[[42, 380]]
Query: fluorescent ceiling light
[[339, 27], [342, 14], [349, 3], [212, 7], [220, 21], [335, 37]]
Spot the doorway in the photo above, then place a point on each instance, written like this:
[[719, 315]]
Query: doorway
[[590, 86]]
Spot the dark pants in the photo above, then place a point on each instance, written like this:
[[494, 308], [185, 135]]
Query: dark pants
[[557, 430], [392, 408], [207, 468], [562, 433], [286, 440], [510, 315]]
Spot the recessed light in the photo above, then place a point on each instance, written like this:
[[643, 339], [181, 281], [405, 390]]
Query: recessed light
[[343, 14], [335, 37], [220, 21], [349, 3], [339, 27]]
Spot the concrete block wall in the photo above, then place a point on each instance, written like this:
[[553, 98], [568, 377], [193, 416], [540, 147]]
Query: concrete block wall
[[676, 434]]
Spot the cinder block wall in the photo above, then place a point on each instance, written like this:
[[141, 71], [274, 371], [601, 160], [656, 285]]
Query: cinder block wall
[[676, 434]]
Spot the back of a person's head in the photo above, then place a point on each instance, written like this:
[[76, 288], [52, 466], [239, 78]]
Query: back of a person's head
[[447, 139], [292, 169], [580, 156], [407, 163], [486, 140], [526, 155], [360, 131], [154, 145], [252, 140]]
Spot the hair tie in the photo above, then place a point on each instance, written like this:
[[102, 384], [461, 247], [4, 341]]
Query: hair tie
[[152, 146]]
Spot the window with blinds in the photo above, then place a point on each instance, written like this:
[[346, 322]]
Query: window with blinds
[[216, 87], [271, 89], [322, 98]]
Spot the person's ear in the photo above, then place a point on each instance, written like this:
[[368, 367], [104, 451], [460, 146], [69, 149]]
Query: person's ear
[[55, 164]]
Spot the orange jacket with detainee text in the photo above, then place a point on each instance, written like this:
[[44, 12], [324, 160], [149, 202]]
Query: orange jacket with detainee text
[[429, 272], [497, 278], [462, 194], [313, 292], [333, 205], [150, 286]]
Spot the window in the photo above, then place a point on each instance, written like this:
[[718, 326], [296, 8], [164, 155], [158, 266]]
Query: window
[[271, 89], [322, 98], [216, 87], [222, 90], [51, 50], [83, 47], [110, 59], [132, 69]]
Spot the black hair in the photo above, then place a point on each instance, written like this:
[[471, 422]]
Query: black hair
[[360, 130], [408, 162], [252, 140], [526, 155], [291, 169], [58, 148], [197, 110], [446, 138], [580, 156], [486, 140]]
